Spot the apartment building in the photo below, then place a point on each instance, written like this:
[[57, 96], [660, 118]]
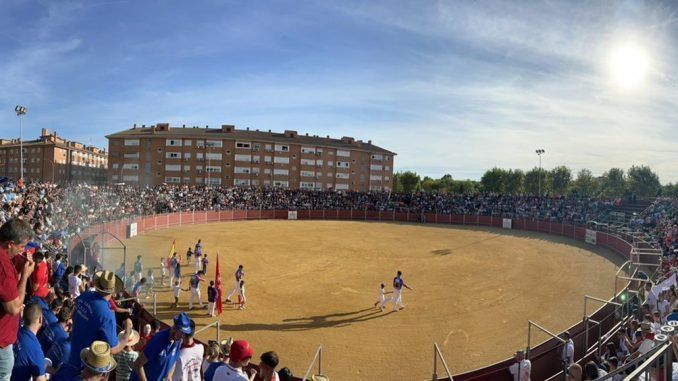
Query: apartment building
[[51, 158], [234, 157]]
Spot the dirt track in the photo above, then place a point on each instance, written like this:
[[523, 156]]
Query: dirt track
[[315, 282]]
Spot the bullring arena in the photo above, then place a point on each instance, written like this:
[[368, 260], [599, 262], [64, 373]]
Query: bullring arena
[[315, 282]]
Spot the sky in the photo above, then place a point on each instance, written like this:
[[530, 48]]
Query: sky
[[452, 87]]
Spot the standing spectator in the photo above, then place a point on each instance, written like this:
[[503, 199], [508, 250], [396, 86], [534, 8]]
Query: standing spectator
[[59, 270], [97, 361], [127, 357], [574, 372], [189, 364], [138, 287], [157, 361], [75, 285], [240, 355], [211, 298], [93, 320], [567, 356], [522, 368], [173, 268], [267, 364], [40, 276], [14, 235], [29, 357]]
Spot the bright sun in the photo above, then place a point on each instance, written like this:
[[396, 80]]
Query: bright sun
[[629, 65]]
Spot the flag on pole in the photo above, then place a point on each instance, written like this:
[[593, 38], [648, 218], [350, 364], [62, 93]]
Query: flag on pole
[[217, 285], [173, 248]]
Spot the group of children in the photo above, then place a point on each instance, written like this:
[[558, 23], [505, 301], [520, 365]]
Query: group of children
[[173, 266]]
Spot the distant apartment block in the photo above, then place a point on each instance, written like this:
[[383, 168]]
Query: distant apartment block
[[234, 157], [51, 158]]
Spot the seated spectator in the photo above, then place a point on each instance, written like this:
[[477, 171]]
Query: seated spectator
[[97, 362], [158, 360], [188, 367], [240, 355], [29, 359], [574, 373], [225, 348], [212, 357], [127, 357], [267, 364], [57, 339], [285, 374], [592, 371]]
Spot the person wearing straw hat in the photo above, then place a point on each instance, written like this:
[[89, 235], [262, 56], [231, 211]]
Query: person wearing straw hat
[[127, 357], [97, 362], [94, 320], [158, 360]]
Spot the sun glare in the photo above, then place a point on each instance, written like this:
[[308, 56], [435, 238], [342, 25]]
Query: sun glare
[[629, 65]]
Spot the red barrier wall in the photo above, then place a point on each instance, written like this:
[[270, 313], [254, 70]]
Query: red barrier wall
[[545, 357]]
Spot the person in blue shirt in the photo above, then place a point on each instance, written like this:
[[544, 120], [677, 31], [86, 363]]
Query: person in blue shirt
[[29, 360], [93, 320], [59, 270], [156, 362], [673, 315], [50, 322], [60, 346]]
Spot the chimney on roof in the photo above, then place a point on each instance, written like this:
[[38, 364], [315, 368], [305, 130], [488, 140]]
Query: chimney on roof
[[143, 126], [135, 126], [328, 136], [162, 127], [257, 130], [247, 128], [347, 139], [183, 126], [44, 132], [290, 134], [227, 128], [307, 134], [269, 130], [369, 142]]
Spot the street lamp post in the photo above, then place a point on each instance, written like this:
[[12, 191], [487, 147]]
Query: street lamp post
[[20, 112], [539, 152]]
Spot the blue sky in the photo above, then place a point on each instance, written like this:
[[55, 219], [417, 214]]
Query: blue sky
[[452, 86]]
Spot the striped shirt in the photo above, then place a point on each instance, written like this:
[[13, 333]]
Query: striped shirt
[[125, 364]]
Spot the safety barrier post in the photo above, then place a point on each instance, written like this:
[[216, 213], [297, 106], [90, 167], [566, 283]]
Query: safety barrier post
[[155, 304], [437, 353], [319, 357]]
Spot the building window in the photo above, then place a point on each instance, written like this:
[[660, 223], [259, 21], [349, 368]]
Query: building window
[[133, 166], [241, 182], [247, 158], [172, 155], [283, 184], [310, 150], [215, 143], [213, 156], [281, 172], [243, 145], [343, 164], [307, 185], [307, 162], [377, 157], [173, 167], [282, 148], [131, 142], [173, 143], [187, 156], [281, 160], [188, 143], [213, 181], [307, 174], [200, 143], [375, 167], [342, 175], [242, 170], [341, 187], [344, 153], [172, 180], [130, 178]]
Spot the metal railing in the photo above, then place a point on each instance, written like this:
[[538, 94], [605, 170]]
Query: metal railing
[[438, 354], [212, 324], [638, 361], [319, 357]]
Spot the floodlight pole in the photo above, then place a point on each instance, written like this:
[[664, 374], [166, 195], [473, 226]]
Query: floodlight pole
[[539, 152], [20, 112]]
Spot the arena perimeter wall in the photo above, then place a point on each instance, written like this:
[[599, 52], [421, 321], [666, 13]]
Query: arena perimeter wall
[[545, 357]]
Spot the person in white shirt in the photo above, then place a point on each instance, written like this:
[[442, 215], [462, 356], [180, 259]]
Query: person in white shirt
[[241, 295], [188, 367], [75, 286], [267, 364], [567, 356], [650, 297], [522, 368], [383, 299], [163, 270], [239, 356]]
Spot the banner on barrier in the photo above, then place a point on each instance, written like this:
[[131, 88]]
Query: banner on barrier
[[292, 215], [132, 230], [590, 236], [506, 223]]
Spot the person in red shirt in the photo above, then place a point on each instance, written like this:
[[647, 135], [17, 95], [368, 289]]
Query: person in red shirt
[[40, 276], [14, 235]]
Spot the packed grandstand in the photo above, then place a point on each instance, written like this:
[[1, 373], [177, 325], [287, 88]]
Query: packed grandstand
[[55, 214]]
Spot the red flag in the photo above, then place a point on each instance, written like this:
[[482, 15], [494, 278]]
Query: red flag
[[217, 285]]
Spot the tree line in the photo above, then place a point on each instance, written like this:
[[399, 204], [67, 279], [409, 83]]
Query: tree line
[[640, 181]]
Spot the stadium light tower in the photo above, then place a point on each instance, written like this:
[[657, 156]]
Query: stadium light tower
[[20, 112], [539, 152]]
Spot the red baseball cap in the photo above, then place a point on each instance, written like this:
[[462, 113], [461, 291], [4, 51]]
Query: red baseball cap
[[240, 350]]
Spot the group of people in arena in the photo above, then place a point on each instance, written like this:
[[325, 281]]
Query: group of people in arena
[[67, 313]]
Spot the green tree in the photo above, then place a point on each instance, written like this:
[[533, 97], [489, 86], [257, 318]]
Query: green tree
[[670, 190], [513, 181], [533, 178], [408, 181], [642, 181], [429, 184], [492, 180], [586, 184], [613, 183], [559, 179], [446, 183]]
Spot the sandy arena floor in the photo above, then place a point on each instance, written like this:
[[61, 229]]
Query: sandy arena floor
[[315, 282]]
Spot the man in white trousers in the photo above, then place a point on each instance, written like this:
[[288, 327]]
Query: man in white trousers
[[194, 285], [239, 274], [398, 284]]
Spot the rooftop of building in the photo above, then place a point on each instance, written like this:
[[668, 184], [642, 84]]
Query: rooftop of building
[[164, 130], [47, 138]]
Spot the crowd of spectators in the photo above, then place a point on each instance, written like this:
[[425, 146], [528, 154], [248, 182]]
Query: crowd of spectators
[[70, 315]]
